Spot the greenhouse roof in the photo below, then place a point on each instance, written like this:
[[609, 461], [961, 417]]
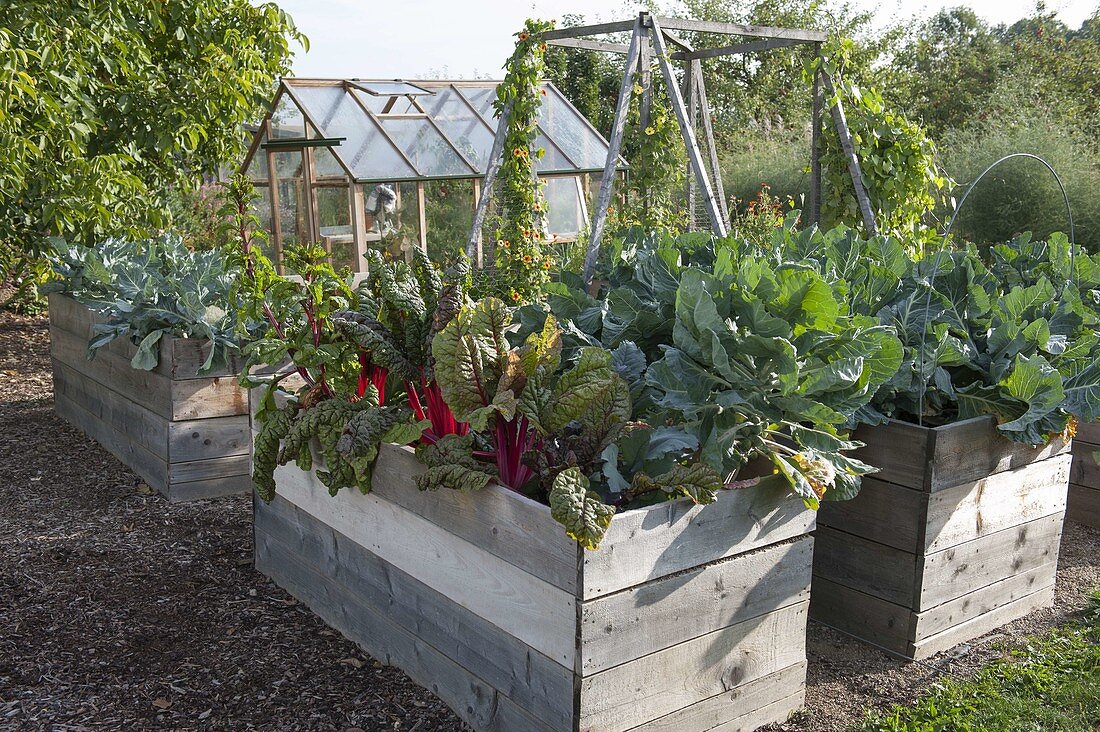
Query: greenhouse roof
[[393, 130]]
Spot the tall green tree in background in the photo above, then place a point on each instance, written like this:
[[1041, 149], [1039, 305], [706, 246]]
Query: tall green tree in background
[[106, 105]]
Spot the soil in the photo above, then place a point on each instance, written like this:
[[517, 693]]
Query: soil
[[119, 610]]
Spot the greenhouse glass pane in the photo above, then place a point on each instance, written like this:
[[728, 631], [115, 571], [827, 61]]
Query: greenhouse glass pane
[[325, 164], [552, 161], [565, 127], [365, 150], [292, 198], [334, 219], [425, 147], [462, 126], [257, 167], [449, 213], [287, 120], [482, 98], [396, 232], [563, 202]]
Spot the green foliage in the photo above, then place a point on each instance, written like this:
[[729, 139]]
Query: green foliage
[[519, 260], [336, 408], [578, 509], [654, 195], [147, 289], [745, 356], [1021, 195], [590, 80], [994, 336], [897, 159], [539, 422], [1049, 682], [108, 105]]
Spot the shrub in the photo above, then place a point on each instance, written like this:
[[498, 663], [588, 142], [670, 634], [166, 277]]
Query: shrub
[[1021, 195]]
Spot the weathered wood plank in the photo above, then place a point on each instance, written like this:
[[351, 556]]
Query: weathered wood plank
[[982, 601], [204, 439], [1088, 432], [152, 469], [503, 522], [1086, 464], [195, 490], [1083, 505], [997, 502], [778, 711], [899, 450], [873, 568], [883, 512], [667, 681], [868, 618], [652, 542], [536, 683], [979, 563], [142, 425], [207, 469], [973, 449], [474, 700], [982, 624], [151, 390], [746, 706], [179, 358], [633, 623], [220, 396], [533, 610]]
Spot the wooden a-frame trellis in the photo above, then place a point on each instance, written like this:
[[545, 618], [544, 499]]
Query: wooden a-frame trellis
[[651, 37]]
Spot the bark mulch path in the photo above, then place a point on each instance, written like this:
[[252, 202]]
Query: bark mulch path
[[121, 611]]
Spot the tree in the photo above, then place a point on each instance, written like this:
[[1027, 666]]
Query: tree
[[108, 104]]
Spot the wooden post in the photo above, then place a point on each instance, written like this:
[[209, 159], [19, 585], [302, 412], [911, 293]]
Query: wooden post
[[708, 129], [850, 154], [718, 225], [358, 223], [421, 202], [815, 148], [622, 107], [479, 262], [487, 186], [692, 187]]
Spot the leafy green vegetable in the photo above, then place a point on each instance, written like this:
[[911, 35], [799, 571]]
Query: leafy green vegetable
[[1010, 332], [578, 509], [148, 289]]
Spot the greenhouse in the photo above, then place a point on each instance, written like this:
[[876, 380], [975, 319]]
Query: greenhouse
[[356, 164]]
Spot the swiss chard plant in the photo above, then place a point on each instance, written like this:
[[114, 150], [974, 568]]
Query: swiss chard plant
[[1008, 332], [146, 289], [400, 309]]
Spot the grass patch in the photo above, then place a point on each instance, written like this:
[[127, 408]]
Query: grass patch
[[1052, 684]]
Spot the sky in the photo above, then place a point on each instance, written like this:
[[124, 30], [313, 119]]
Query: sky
[[465, 39]]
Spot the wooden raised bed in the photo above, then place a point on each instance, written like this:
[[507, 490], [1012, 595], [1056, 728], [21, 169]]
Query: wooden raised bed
[[1084, 478], [957, 535], [186, 435], [687, 618]]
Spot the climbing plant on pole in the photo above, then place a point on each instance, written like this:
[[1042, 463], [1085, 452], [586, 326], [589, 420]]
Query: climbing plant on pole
[[521, 263]]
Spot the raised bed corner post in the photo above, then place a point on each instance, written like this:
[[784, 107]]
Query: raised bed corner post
[[622, 107], [841, 122], [695, 156], [472, 248]]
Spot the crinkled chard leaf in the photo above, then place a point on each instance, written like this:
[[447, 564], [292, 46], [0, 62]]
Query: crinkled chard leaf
[[580, 510]]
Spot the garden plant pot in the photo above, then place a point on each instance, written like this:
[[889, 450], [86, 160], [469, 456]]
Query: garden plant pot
[[186, 435], [1084, 478], [687, 617], [956, 535]]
